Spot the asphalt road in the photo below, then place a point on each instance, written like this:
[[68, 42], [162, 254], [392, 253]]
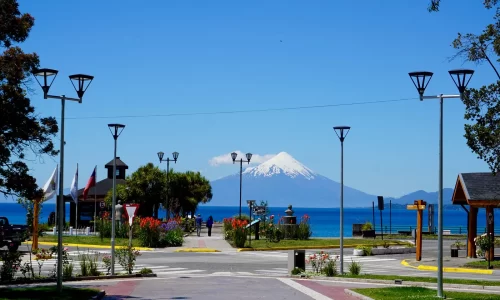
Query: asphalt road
[[169, 264]]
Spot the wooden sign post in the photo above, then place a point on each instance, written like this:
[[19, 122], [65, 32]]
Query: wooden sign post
[[419, 206]]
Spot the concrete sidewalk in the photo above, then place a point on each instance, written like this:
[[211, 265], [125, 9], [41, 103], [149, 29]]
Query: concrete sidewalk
[[450, 264], [205, 243]]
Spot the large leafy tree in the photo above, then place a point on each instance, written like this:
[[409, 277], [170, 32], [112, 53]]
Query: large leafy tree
[[187, 191], [482, 105], [21, 130], [146, 186]]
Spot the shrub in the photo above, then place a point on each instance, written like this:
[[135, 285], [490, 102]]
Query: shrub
[[171, 238], [227, 228], [68, 270], [319, 260], [11, 264], [145, 271], [304, 229], [240, 232], [330, 269], [297, 271], [88, 264], [149, 234], [354, 268], [126, 258], [367, 226], [367, 250]]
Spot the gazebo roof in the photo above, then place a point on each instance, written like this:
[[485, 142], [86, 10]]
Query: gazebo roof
[[119, 163], [479, 189]]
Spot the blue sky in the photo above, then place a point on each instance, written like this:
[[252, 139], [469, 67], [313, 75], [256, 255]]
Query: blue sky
[[182, 57]]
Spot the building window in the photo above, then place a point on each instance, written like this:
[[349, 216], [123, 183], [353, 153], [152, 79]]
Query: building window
[[117, 172]]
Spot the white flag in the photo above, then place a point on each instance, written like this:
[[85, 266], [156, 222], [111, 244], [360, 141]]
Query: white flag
[[74, 186], [50, 187]]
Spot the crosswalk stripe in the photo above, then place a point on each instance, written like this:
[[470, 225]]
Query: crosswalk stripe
[[180, 272]]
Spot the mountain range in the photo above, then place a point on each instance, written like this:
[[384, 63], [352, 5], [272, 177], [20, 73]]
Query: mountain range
[[282, 180]]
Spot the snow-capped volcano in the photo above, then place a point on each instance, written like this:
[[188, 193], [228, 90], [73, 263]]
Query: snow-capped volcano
[[283, 163], [282, 180]]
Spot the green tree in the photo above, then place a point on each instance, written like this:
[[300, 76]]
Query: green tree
[[21, 130], [146, 186], [187, 191], [482, 106]]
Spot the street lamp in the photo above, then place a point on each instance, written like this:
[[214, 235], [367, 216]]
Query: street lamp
[[490, 221], [248, 156], [175, 155], [116, 130], [342, 132], [421, 79], [82, 80], [250, 203]]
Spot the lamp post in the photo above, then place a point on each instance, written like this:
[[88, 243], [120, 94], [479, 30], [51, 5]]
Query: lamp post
[[116, 130], [175, 155], [490, 221], [81, 80], [248, 156], [250, 205], [342, 132], [421, 79]]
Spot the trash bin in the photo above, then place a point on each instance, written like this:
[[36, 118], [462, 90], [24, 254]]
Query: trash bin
[[296, 259]]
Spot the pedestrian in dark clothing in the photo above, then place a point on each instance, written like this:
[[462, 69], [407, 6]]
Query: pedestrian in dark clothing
[[210, 222]]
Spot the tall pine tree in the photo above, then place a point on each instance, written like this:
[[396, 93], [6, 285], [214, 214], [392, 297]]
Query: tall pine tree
[[21, 130]]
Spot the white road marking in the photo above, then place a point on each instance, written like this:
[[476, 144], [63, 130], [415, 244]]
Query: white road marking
[[305, 290]]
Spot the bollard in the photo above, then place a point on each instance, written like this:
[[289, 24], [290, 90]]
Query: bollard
[[70, 230], [87, 231], [54, 230]]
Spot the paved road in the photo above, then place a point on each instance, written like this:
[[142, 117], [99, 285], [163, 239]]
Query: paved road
[[166, 263], [231, 287]]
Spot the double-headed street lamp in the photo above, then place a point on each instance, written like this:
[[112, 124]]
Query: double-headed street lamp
[[116, 130], [342, 132], [421, 79], [83, 82], [249, 157], [175, 155]]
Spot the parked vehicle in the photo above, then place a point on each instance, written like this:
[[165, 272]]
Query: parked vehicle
[[11, 235]]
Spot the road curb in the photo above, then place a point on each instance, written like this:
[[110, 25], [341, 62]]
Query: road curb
[[357, 295], [403, 282], [197, 250], [90, 246], [311, 247], [448, 269]]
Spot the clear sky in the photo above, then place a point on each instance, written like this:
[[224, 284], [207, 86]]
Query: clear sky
[[182, 57]]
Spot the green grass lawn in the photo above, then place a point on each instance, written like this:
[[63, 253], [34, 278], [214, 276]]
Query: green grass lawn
[[426, 279], [88, 240], [47, 292], [317, 243], [483, 264], [420, 293]]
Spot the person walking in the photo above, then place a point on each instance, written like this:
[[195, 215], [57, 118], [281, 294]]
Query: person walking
[[210, 222], [198, 222]]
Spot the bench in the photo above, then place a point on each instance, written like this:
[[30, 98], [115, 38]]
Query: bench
[[446, 232], [404, 232]]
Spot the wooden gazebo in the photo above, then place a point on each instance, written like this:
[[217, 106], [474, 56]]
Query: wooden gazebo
[[478, 190]]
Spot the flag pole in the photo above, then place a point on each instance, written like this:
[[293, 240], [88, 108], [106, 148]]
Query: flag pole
[[95, 199]]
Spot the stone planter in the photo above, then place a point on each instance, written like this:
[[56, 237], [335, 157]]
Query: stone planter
[[358, 252]]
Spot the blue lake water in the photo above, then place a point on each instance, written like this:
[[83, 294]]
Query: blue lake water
[[325, 222]]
